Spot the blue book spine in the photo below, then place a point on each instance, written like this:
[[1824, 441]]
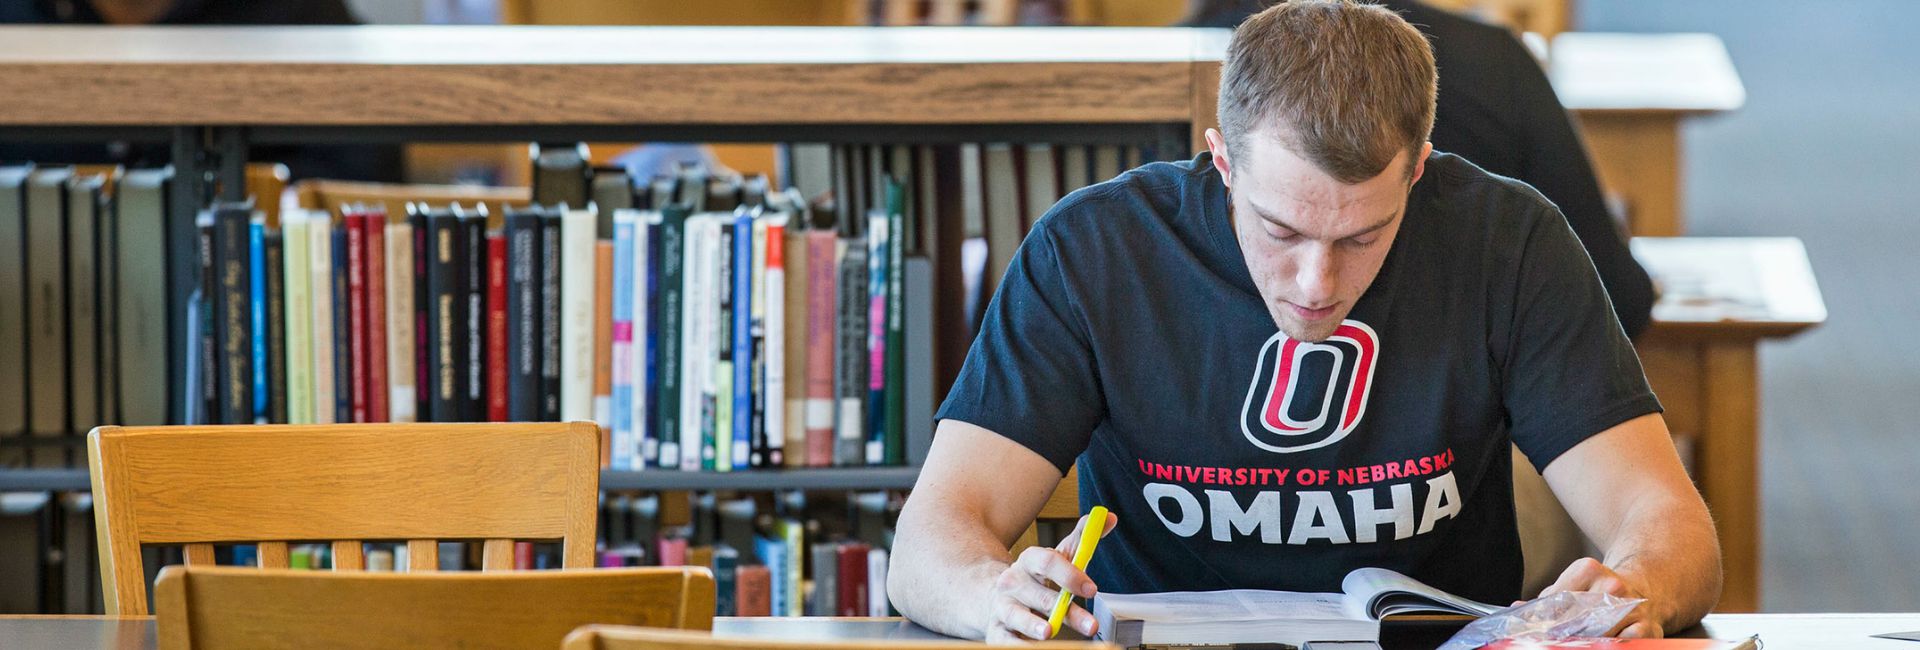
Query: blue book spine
[[742, 339], [773, 553], [257, 256], [342, 345], [623, 442], [879, 247], [647, 343]]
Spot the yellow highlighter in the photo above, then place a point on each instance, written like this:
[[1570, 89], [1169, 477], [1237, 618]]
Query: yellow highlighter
[[1089, 538]]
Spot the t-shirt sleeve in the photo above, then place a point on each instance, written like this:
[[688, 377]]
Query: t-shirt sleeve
[[1569, 371], [1030, 375]]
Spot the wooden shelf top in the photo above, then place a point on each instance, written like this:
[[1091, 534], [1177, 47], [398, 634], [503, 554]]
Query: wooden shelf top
[[439, 75], [1731, 286], [1668, 73]]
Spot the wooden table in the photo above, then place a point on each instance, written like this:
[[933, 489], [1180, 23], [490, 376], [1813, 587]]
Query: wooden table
[[1779, 631], [1629, 93], [1720, 298]]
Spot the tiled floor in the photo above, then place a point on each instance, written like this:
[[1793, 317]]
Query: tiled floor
[[1827, 149]]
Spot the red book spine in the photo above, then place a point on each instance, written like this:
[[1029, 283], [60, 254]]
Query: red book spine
[[853, 579], [376, 325], [822, 326], [523, 556], [753, 591], [497, 328], [357, 309]]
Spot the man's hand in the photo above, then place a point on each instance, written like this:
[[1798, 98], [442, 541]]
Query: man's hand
[[1588, 574], [1022, 598]]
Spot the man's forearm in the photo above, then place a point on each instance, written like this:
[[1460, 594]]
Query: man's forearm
[[1673, 556], [941, 573]]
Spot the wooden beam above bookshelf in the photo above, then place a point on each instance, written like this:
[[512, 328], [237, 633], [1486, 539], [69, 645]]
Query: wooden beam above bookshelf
[[417, 75]]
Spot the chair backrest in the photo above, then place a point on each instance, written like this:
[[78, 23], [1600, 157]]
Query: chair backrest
[[610, 637], [344, 483], [213, 608]]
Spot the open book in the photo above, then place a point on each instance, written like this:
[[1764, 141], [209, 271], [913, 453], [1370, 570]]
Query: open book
[[1255, 616]]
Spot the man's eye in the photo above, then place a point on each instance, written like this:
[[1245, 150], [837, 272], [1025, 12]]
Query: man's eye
[[1282, 234], [1362, 242]]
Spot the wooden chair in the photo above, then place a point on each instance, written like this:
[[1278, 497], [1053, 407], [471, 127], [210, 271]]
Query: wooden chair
[[213, 608], [610, 637], [345, 483]]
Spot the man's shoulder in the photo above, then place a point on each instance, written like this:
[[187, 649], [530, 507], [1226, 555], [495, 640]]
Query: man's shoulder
[[1477, 196], [1148, 197]]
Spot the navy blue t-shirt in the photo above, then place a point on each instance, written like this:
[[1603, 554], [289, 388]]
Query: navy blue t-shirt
[[1128, 334]]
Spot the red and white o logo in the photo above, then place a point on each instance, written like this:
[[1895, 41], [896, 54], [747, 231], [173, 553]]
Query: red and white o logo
[[1309, 395]]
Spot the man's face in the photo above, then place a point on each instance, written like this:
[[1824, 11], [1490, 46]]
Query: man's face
[[1312, 243]]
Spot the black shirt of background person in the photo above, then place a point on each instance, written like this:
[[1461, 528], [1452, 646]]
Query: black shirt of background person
[[346, 162], [1497, 109]]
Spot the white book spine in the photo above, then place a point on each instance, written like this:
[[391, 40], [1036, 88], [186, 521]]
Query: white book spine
[[576, 315], [294, 225], [877, 582], [772, 297], [402, 401], [320, 264], [696, 353]]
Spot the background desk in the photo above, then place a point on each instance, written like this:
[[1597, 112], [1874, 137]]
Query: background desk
[[1779, 631]]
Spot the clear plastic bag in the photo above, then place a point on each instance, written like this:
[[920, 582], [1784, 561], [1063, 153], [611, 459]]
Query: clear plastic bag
[[1563, 615]]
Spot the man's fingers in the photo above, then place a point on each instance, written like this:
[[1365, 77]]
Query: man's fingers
[[1022, 621], [1026, 591], [1054, 565], [1577, 577], [1072, 541]]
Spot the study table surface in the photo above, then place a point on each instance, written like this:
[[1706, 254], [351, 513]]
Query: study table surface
[[1778, 631]]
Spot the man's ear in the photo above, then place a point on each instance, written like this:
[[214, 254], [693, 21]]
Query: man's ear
[[1420, 162], [1217, 144]]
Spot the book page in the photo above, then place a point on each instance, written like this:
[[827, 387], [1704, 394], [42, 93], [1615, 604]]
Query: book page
[[1377, 593], [1230, 605]]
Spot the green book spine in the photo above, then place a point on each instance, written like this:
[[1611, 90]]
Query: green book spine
[[895, 439], [673, 224], [294, 227]]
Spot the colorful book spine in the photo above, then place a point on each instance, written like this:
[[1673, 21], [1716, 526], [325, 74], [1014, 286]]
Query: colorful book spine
[[622, 434], [523, 315], [443, 316], [773, 554], [721, 438], [576, 317], [379, 409], [742, 343], [667, 338], [794, 258], [822, 330], [233, 310], [773, 357], [698, 312], [755, 594], [896, 389], [640, 374], [343, 367], [879, 244], [401, 344], [356, 222], [209, 361], [497, 375], [320, 286], [852, 558], [257, 308], [603, 332], [294, 225]]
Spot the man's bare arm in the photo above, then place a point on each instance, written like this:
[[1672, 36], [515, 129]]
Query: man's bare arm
[[1626, 489], [950, 570]]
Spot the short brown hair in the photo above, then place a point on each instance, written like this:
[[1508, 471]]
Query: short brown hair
[[1348, 85]]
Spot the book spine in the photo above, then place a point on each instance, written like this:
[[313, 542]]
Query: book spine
[[576, 318], [822, 328], [356, 222], [696, 378], [603, 334], [895, 395], [276, 290], [46, 315], [742, 343], [342, 344], [550, 332], [497, 373], [257, 312], [794, 258], [13, 301], [209, 333], [620, 349], [720, 435], [826, 579], [320, 331], [444, 274], [84, 318], [879, 245], [755, 597], [379, 409], [773, 554], [726, 572], [233, 309], [772, 397], [793, 538], [877, 583], [473, 318], [645, 325], [667, 340], [523, 316], [852, 558], [294, 225], [422, 343], [850, 370], [401, 344]]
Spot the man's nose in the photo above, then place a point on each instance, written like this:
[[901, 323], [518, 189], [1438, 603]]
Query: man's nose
[[1315, 276]]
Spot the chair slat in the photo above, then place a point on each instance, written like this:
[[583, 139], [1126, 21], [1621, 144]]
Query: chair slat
[[423, 555], [349, 555], [497, 555], [273, 555], [199, 555]]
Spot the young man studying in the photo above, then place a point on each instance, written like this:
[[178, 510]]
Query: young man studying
[[1303, 352]]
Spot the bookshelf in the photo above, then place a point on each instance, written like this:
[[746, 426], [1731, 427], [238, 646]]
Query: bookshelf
[[213, 91]]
